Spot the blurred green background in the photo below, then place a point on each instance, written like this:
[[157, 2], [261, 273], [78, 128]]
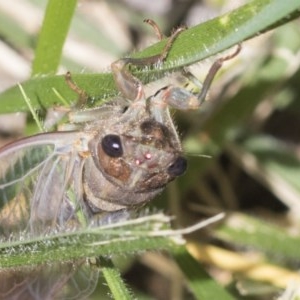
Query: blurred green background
[[243, 146]]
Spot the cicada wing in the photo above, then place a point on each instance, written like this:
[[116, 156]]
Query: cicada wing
[[40, 180], [68, 281], [36, 185]]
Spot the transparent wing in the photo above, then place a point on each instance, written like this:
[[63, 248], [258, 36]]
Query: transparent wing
[[37, 183], [40, 180], [68, 281]]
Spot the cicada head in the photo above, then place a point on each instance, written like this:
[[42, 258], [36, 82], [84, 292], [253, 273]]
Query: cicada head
[[133, 158]]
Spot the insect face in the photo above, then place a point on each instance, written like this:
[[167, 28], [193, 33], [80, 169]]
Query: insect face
[[133, 158]]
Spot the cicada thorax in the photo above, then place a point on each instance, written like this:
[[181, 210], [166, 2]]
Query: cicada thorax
[[132, 159]]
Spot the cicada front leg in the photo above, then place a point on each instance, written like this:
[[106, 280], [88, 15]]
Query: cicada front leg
[[78, 114], [182, 99], [83, 96], [130, 86]]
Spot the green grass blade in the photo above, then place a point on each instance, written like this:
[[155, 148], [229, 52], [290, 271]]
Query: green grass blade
[[52, 36], [204, 40], [220, 33], [114, 280], [33, 112], [119, 238], [41, 92]]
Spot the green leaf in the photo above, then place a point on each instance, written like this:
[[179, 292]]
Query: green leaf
[[118, 238], [203, 41], [52, 36], [41, 91], [114, 281], [220, 33]]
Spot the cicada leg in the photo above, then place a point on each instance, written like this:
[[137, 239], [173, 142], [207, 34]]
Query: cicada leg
[[180, 98], [83, 96], [213, 71], [156, 28], [130, 86]]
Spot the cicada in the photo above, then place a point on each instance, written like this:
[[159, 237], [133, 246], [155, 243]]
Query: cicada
[[116, 158]]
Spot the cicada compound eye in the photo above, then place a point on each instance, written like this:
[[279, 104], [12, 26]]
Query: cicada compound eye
[[112, 145]]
